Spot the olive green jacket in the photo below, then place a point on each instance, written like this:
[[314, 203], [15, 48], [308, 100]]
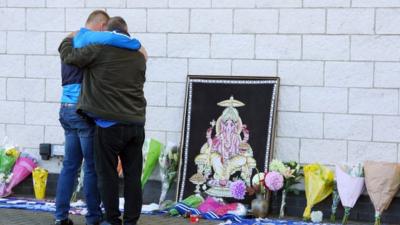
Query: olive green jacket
[[112, 86]]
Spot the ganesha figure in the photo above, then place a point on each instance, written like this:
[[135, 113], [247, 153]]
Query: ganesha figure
[[226, 153]]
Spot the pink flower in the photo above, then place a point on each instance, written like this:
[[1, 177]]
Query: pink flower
[[274, 181], [238, 189]]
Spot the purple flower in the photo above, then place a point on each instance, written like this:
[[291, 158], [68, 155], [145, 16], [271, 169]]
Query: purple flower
[[238, 189], [274, 181]]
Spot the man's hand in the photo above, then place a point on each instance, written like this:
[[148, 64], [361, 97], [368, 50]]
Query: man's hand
[[80, 57], [144, 52], [72, 34]]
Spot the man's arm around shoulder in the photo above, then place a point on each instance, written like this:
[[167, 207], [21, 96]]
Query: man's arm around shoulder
[[79, 57]]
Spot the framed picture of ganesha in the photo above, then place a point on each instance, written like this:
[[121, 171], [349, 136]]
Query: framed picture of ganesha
[[228, 133]]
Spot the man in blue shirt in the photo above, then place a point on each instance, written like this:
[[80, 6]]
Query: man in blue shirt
[[113, 90], [79, 132]]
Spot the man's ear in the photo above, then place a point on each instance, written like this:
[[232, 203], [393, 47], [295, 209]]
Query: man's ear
[[103, 26]]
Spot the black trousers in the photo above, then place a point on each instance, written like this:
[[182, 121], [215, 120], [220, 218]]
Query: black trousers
[[125, 141]]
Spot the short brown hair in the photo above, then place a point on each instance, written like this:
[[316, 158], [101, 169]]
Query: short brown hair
[[117, 23], [98, 16]]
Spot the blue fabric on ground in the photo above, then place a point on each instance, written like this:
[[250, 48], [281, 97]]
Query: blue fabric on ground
[[184, 209], [49, 206]]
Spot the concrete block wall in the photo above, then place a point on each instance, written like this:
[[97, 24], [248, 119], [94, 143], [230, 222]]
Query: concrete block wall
[[339, 63]]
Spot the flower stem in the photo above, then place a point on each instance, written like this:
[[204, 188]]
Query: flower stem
[[283, 204], [333, 217], [346, 215], [377, 218], [335, 202]]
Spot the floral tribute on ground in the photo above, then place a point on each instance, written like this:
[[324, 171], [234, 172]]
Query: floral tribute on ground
[[15, 166]]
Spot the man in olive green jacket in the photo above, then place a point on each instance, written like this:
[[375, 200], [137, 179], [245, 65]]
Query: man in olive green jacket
[[112, 94]]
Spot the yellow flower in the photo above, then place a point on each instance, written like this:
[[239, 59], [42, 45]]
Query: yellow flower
[[12, 152]]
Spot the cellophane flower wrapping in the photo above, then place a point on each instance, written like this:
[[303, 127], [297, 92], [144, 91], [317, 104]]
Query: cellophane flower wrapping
[[8, 157], [191, 201], [168, 162], [350, 185], [151, 152], [4, 180], [22, 169], [39, 182], [210, 204], [318, 182], [382, 180]]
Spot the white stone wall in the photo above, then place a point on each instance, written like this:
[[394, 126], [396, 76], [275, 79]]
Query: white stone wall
[[339, 63]]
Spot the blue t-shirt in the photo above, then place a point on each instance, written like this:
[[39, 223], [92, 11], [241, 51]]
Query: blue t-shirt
[[85, 37]]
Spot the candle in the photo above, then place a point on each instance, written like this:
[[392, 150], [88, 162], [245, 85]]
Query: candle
[[194, 218]]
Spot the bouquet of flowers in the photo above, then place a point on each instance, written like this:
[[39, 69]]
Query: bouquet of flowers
[[151, 152], [318, 185], [168, 162], [8, 157], [40, 182], [382, 181], [4, 180], [291, 172], [261, 182], [350, 184], [22, 169]]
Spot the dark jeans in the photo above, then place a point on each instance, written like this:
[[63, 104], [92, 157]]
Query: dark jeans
[[125, 141], [78, 146]]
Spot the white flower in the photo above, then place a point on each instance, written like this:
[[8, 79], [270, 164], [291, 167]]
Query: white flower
[[277, 166], [316, 216], [258, 178]]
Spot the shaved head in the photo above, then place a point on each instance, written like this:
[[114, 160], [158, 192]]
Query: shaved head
[[97, 20]]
